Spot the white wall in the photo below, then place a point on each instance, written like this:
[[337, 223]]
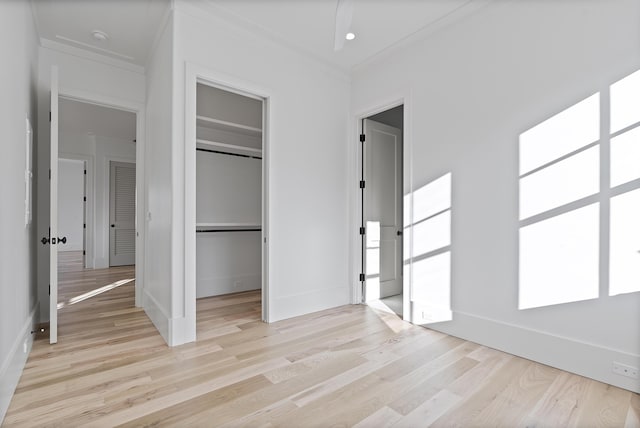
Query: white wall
[[472, 89], [161, 251], [308, 236], [71, 204], [18, 294], [84, 79]]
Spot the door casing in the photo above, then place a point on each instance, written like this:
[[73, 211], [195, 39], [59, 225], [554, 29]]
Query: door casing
[[355, 154]]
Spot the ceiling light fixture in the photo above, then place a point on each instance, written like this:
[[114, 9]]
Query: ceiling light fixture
[[99, 35], [350, 36]]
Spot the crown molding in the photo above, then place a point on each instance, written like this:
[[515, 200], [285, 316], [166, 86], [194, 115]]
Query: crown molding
[[191, 8], [460, 12], [92, 56]]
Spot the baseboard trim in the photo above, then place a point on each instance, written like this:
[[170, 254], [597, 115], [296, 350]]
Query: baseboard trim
[[585, 359], [305, 303], [14, 362], [157, 315]]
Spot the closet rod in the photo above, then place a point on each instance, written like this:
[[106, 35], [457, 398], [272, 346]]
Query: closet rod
[[228, 230], [227, 153]]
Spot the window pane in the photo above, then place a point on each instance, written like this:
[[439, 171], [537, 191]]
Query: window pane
[[625, 102], [559, 259], [625, 157], [561, 183], [624, 273], [561, 134]]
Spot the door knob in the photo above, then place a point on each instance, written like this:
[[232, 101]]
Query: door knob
[[62, 240], [113, 225], [44, 240]]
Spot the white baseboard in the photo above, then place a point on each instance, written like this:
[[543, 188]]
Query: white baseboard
[[157, 315], [13, 363], [305, 303], [585, 359]]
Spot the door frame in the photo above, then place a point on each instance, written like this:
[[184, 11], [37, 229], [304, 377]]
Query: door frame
[[139, 110], [355, 152], [197, 74]]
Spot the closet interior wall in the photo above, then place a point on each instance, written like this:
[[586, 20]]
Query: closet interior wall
[[228, 192]]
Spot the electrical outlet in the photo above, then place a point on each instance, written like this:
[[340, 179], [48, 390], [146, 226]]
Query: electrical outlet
[[237, 284], [624, 370]]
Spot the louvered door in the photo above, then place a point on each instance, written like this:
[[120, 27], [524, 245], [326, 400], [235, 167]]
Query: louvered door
[[122, 214]]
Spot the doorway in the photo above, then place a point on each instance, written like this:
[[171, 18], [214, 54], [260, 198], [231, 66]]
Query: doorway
[[229, 201], [90, 139], [382, 209], [226, 124]]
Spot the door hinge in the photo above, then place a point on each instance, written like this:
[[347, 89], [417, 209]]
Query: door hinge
[[362, 231], [84, 226], [84, 253], [84, 199], [362, 184], [49, 174], [362, 138], [49, 116], [85, 172], [49, 289], [362, 277]]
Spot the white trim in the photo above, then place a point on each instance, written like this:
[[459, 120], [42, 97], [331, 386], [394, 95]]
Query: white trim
[[205, 11], [157, 315], [141, 185], [89, 260], [14, 361], [458, 13], [231, 148], [594, 362], [293, 305], [92, 56], [385, 104], [194, 74]]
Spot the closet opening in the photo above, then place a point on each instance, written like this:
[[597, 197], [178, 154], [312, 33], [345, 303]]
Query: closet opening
[[230, 210], [381, 205]]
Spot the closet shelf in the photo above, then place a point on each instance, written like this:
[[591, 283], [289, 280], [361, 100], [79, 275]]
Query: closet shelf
[[223, 125], [230, 148], [227, 226]]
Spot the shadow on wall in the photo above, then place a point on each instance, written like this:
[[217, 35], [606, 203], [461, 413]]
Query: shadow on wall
[[580, 200]]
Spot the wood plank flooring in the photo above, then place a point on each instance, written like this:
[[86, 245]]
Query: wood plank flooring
[[348, 366]]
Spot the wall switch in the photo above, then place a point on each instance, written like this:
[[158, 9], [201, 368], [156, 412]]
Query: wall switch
[[624, 370]]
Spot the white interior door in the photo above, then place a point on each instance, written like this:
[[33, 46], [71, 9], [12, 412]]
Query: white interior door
[[383, 210], [122, 214], [53, 212]]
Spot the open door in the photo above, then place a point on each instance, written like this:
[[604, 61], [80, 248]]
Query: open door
[[382, 210], [53, 212]]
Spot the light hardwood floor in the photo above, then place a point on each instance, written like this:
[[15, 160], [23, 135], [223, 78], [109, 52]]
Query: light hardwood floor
[[348, 366]]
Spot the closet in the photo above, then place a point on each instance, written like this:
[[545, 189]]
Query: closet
[[228, 192]]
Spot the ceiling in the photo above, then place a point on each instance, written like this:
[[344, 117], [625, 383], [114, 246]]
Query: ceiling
[[307, 25], [88, 119], [310, 25], [130, 24]]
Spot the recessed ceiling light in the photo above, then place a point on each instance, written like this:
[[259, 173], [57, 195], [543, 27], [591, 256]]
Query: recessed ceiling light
[[350, 36], [99, 35]]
